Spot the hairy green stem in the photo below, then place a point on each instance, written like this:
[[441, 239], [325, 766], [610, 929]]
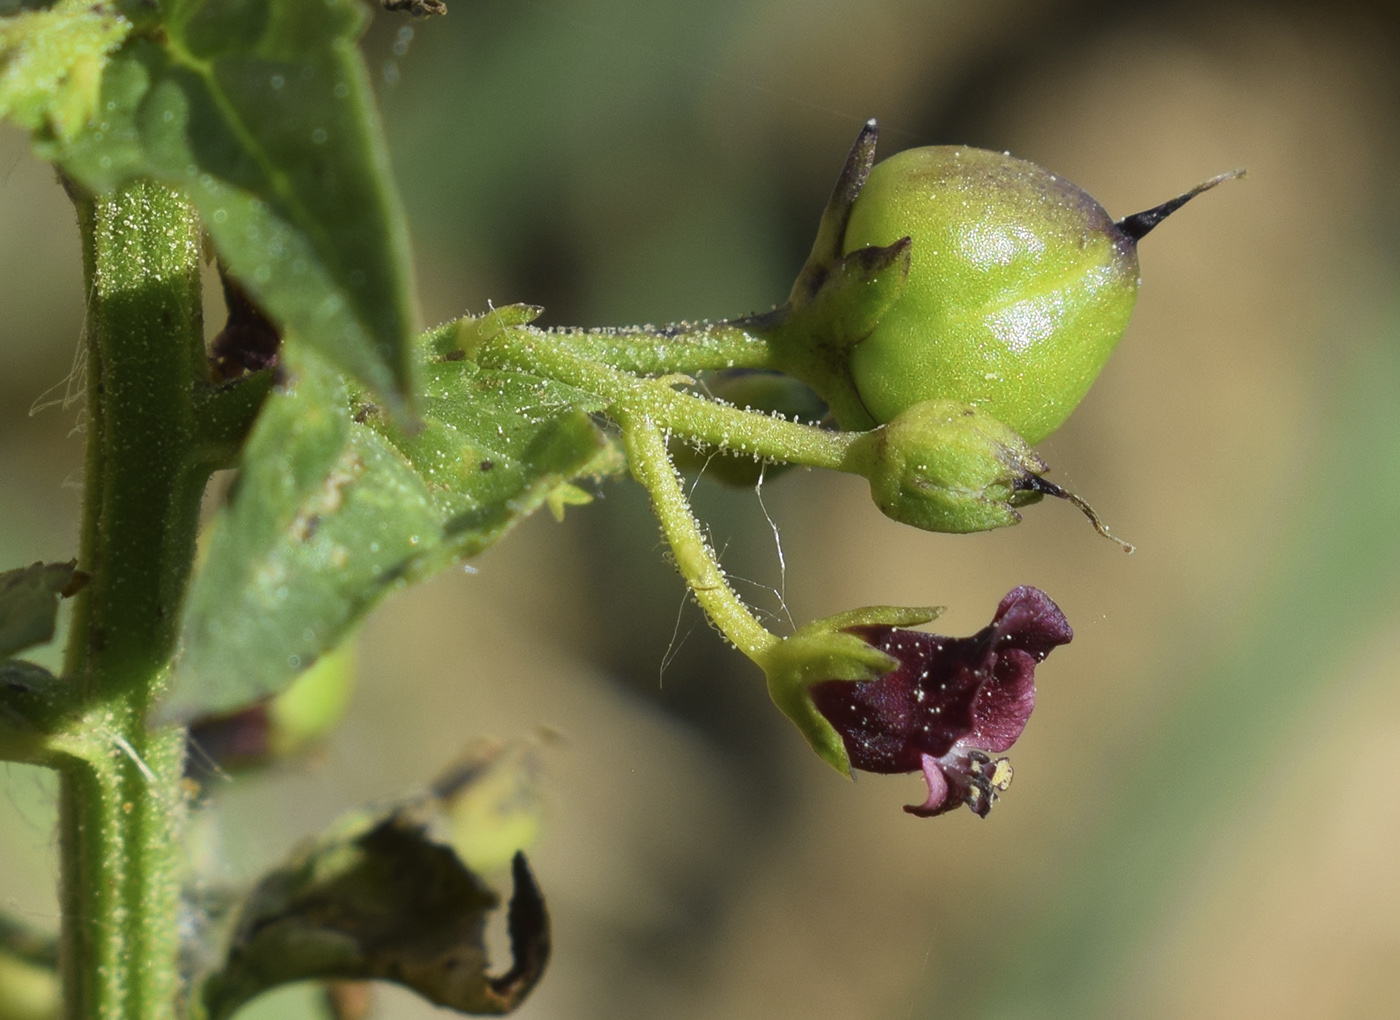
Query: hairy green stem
[[779, 340], [121, 798], [121, 812], [725, 427], [648, 411], [679, 348], [696, 561]]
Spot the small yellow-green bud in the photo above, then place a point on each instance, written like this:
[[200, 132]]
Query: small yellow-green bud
[[946, 466]]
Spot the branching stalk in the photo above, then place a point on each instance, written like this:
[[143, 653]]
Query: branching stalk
[[649, 410], [682, 348], [697, 418], [696, 561]]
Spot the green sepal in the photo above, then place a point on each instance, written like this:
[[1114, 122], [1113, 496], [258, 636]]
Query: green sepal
[[853, 297], [468, 333], [823, 650], [377, 898], [812, 340], [837, 299]]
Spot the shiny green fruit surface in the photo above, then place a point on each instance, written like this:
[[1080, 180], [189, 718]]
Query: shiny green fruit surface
[[1019, 287]]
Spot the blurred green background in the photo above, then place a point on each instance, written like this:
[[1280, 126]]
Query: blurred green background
[[1203, 821]]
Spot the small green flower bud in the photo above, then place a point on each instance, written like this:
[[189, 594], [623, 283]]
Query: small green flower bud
[[946, 466]]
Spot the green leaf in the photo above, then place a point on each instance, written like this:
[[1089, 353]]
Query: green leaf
[[332, 511], [29, 603], [51, 65], [263, 115], [376, 898], [31, 700]]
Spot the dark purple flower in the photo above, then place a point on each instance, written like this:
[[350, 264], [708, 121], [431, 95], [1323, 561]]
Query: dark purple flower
[[951, 704]]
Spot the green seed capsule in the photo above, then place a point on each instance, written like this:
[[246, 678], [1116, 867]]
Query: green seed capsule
[[1019, 287]]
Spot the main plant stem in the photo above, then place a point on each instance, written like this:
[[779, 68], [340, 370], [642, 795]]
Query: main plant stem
[[121, 803]]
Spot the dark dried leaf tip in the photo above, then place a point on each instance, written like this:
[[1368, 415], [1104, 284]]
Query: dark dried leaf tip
[[381, 900], [1138, 225], [415, 8]]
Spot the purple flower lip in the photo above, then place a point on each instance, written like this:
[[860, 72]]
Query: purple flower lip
[[950, 705]]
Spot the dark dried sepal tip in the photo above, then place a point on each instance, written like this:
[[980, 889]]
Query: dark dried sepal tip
[[1044, 487], [80, 580], [249, 341], [865, 263], [855, 172], [831, 233], [1138, 225]]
